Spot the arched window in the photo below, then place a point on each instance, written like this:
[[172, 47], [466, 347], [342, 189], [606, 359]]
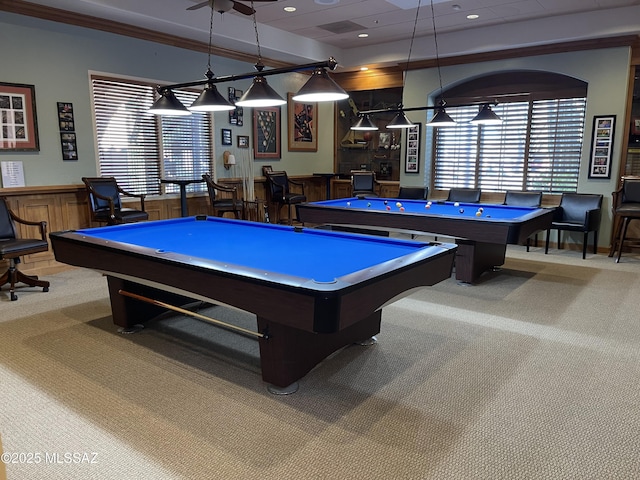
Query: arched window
[[537, 147]]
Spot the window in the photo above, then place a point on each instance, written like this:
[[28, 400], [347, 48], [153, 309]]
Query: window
[[139, 148], [536, 147]]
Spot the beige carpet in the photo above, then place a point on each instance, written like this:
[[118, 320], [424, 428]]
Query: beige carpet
[[532, 374]]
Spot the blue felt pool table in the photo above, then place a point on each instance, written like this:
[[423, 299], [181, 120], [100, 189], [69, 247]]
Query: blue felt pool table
[[312, 291], [482, 231]]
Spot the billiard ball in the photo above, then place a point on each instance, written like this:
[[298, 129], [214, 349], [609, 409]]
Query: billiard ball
[[456, 204], [481, 210], [402, 209], [385, 202], [462, 210], [368, 204], [428, 205], [398, 204], [388, 207], [348, 204], [478, 213]]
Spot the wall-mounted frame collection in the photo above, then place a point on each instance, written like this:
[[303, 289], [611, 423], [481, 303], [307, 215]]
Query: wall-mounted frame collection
[[602, 146], [18, 118], [236, 117], [412, 155], [67, 125]]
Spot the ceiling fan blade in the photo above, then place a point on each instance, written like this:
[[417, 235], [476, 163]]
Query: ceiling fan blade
[[198, 5], [242, 8]]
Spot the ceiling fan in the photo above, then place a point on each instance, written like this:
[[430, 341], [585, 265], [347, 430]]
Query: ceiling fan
[[222, 6]]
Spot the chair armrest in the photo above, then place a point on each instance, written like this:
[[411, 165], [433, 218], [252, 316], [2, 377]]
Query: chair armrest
[[592, 218], [297, 184], [112, 208], [42, 225], [140, 196]]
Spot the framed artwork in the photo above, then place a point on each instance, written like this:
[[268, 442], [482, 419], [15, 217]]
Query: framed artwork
[[635, 126], [266, 132], [18, 118], [227, 137], [302, 125], [243, 141], [412, 152], [65, 117], [69, 146], [602, 146], [236, 117]]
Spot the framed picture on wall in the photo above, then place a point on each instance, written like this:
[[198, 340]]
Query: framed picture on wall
[[412, 151], [266, 132], [602, 146], [303, 125], [226, 136], [18, 119]]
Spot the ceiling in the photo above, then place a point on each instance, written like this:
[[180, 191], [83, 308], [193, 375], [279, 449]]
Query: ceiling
[[319, 29]]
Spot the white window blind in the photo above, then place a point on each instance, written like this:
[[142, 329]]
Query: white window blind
[[536, 147], [138, 148]]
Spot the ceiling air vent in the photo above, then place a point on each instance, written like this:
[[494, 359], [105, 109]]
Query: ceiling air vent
[[342, 27]]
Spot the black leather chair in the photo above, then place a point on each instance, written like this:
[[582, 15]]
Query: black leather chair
[[524, 199], [105, 204], [223, 199], [578, 212], [280, 192], [363, 182], [413, 193], [12, 248], [626, 207], [464, 195]]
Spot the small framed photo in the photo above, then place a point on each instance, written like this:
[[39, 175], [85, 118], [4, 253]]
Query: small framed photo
[[227, 137], [602, 146], [65, 117], [69, 146], [412, 152], [243, 141]]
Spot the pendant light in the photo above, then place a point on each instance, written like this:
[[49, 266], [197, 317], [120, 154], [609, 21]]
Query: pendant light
[[259, 94], [364, 123], [168, 104], [440, 118], [320, 88], [486, 116]]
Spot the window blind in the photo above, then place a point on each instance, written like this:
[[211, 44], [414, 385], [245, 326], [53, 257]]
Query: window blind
[[139, 148], [536, 147]]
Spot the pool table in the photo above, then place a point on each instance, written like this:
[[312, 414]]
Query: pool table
[[482, 238], [312, 291]]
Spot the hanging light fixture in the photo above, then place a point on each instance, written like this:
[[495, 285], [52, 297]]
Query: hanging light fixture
[[486, 116], [364, 123], [400, 120], [259, 94], [441, 118], [320, 88], [168, 104], [209, 100]]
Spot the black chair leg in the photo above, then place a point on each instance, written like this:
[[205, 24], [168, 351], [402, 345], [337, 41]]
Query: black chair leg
[[623, 234], [585, 242], [546, 243], [595, 242]]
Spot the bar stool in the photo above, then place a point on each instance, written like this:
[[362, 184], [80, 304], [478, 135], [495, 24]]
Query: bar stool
[[626, 207]]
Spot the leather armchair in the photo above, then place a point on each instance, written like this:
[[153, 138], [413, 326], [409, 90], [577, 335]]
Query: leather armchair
[[578, 212], [464, 195]]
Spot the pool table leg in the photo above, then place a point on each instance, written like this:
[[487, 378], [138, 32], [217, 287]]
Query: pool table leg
[[288, 354], [474, 258]]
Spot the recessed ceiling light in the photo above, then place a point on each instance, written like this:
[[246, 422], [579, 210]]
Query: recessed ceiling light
[[363, 35], [364, 69], [289, 9], [472, 16]]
